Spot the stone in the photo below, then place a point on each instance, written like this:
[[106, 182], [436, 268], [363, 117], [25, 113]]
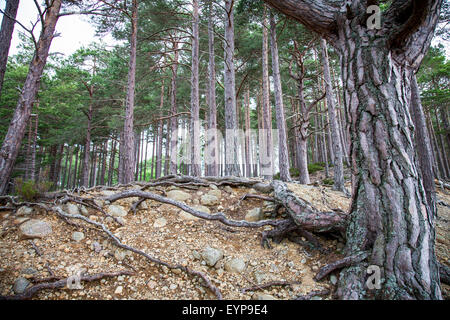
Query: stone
[[143, 205], [178, 195], [260, 276], [228, 189], [35, 229], [84, 211], [96, 247], [20, 285], [201, 208], [215, 192], [99, 203], [333, 279], [187, 216], [120, 254], [117, 211], [29, 271], [120, 220], [209, 200], [236, 265], [160, 222], [196, 255], [262, 296], [77, 236], [173, 286], [253, 215], [119, 290], [211, 255], [213, 186], [72, 208], [24, 211]]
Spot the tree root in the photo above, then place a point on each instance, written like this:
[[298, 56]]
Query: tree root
[[345, 262], [270, 284], [30, 292], [444, 273], [314, 294], [116, 240]]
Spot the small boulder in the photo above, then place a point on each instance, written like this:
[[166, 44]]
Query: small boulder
[[160, 222], [253, 215], [35, 229], [20, 285], [178, 195], [117, 211], [24, 211], [211, 255], [236, 265], [215, 192], [187, 216], [72, 208], [209, 200], [77, 236]]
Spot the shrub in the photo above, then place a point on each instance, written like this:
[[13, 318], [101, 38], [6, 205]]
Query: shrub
[[328, 181], [314, 167], [30, 190]]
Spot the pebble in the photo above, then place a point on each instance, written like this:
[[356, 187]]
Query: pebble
[[119, 290], [160, 222], [77, 236], [20, 285]]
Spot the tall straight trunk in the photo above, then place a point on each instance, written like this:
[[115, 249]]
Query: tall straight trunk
[[279, 107], [173, 110], [441, 145], [195, 103], [75, 170], [87, 144], [159, 133], [439, 172], [63, 178], [145, 158], [16, 131], [167, 160], [423, 145], [231, 151], [69, 171], [261, 132], [104, 154], [112, 161], [128, 128], [303, 133], [212, 152], [6, 32], [248, 147], [34, 146], [333, 121], [267, 144], [57, 174], [137, 154], [121, 155]]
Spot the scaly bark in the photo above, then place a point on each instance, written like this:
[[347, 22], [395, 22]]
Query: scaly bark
[[6, 32]]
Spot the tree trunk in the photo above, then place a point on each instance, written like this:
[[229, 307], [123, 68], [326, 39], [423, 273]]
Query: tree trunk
[[128, 128], [279, 107], [13, 139], [333, 121], [231, 150], [266, 148], [248, 147], [6, 32], [173, 136], [87, 145], [212, 152]]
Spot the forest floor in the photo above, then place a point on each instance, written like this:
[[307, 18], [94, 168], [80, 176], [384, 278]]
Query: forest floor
[[171, 235]]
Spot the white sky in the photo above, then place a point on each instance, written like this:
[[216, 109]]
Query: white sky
[[75, 31]]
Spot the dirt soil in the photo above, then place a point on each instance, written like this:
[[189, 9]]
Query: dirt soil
[[178, 241]]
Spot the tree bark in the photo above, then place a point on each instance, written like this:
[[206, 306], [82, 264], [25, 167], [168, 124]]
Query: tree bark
[[173, 109], [6, 32], [279, 107], [128, 128], [13, 139], [389, 216]]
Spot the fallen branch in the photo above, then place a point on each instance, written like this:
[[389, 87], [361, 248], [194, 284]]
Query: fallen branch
[[30, 292], [345, 262]]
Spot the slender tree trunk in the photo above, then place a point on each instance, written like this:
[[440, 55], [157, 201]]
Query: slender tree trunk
[[128, 129], [231, 151], [267, 145], [112, 161], [75, 170], [173, 136], [248, 146], [281, 122], [33, 149], [13, 139], [334, 125], [6, 32], [212, 152]]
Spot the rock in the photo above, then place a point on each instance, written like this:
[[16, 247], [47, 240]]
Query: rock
[[201, 208], [99, 203], [152, 284], [24, 211], [211, 255], [96, 247], [143, 205], [260, 276], [215, 192], [93, 218], [173, 286], [209, 200], [160, 222], [72, 208], [120, 220], [117, 211], [77, 236], [29, 271], [84, 211], [35, 229], [196, 255], [120, 254], [253, 215], [228, 189], [262, 296], [316, 298], [333, 279], [315, 268], [236, 265], [178, 195], [187, 216], [20, 220], [213, 186], [119, 290], [20, 285]]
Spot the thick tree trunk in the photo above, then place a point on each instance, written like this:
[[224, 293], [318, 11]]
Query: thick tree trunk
[[128, 128], [279, 107], [195, 103], [6, 32], [266, 146], [87, 146], [231, 146], [334, 125], [13, 139]]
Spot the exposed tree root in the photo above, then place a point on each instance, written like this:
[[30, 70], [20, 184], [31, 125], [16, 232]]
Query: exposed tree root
[[345, 262], [30, 292], [116, 240], [444, 273], [270, 284], [256, 196]]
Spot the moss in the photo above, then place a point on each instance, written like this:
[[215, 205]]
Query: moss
[[314, 167]]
